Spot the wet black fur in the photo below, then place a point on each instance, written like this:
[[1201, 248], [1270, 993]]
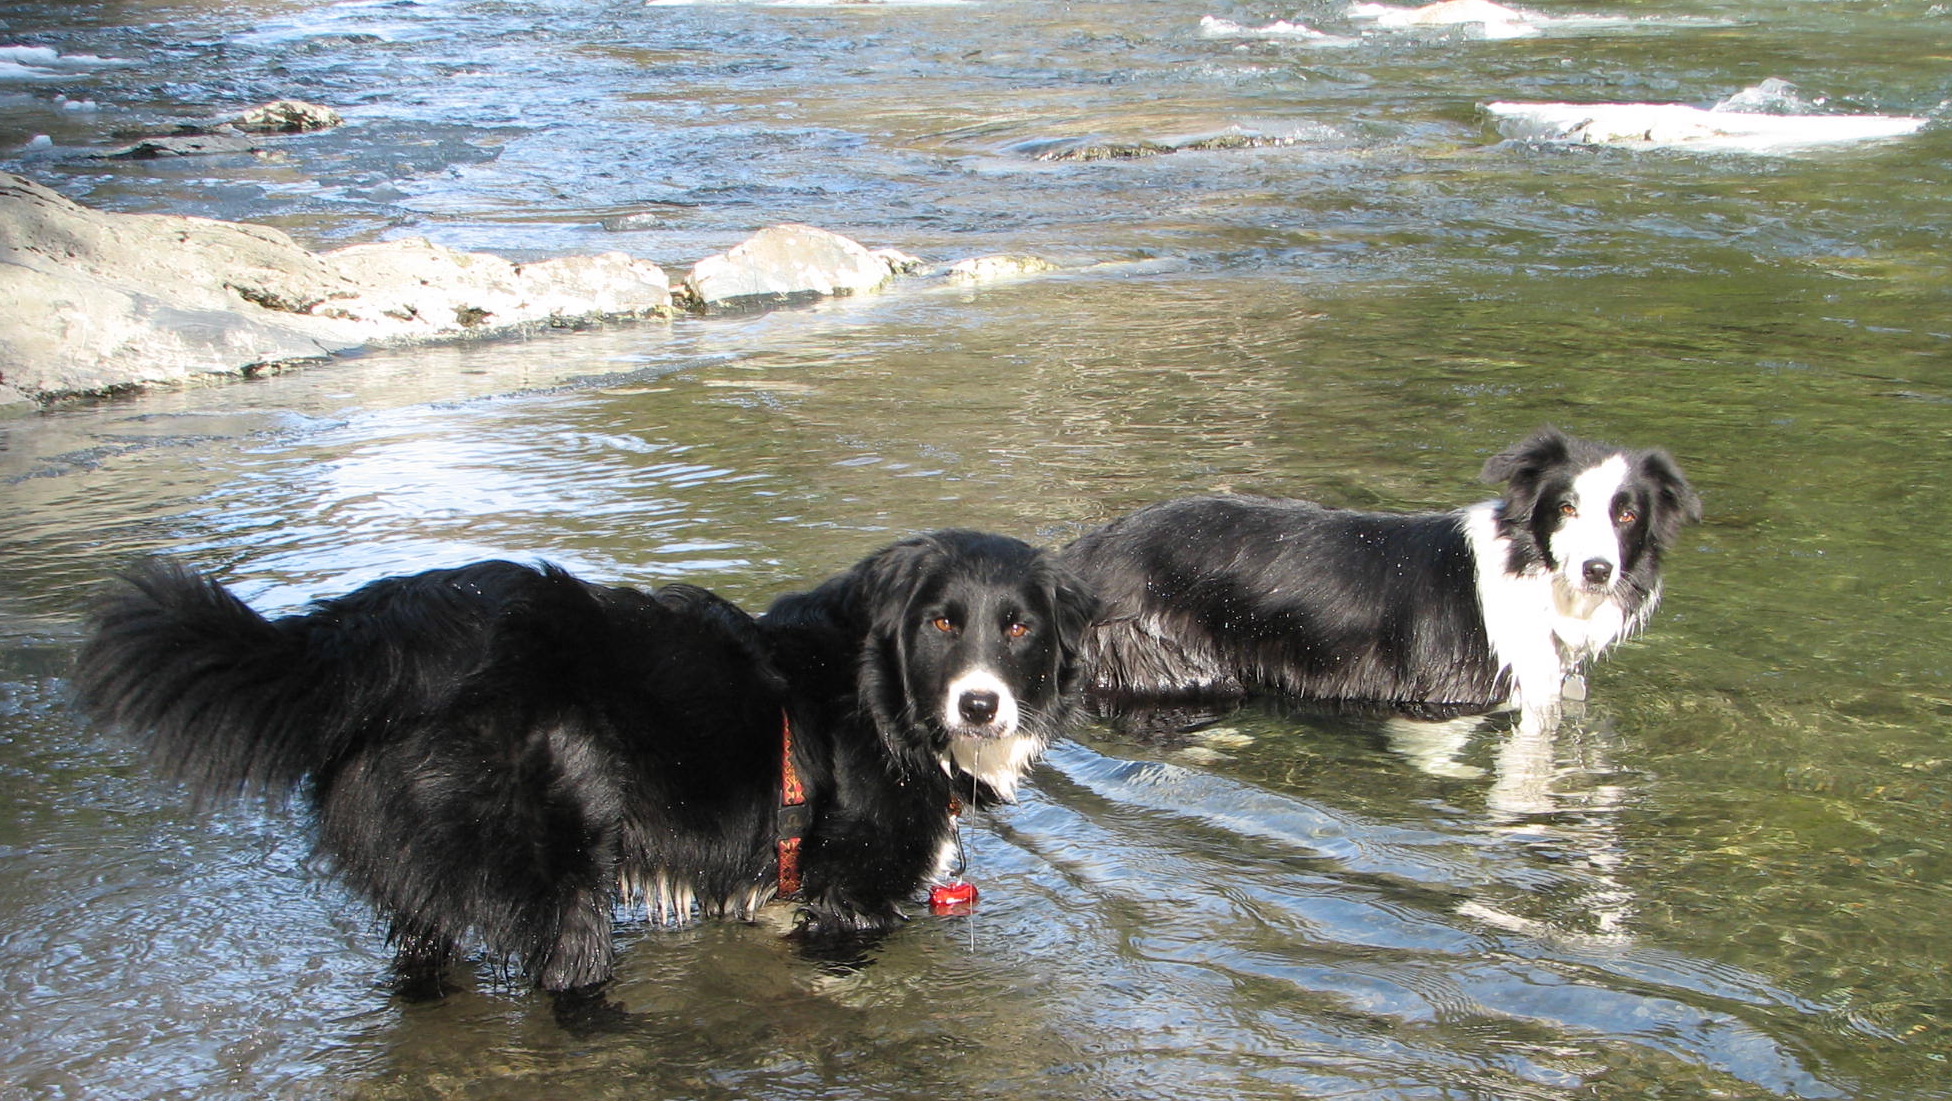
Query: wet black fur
[[499, 752]]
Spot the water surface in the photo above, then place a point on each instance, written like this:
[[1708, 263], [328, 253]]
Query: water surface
[[1727, 877]]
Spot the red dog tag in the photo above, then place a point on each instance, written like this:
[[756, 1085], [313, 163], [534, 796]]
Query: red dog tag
[[953, 898]]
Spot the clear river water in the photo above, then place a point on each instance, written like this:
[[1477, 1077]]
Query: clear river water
[[1727, 877]]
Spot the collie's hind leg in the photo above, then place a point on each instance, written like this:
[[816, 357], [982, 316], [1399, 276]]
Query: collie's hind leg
[[577, 968], [580, 956]]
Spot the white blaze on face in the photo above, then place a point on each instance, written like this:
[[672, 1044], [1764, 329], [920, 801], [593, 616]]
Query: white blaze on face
[[1588, 535], [979, 683], [991, 751]]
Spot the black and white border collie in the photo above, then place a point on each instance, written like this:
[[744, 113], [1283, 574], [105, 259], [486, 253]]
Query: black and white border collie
[[504, 753], [1432, 614]]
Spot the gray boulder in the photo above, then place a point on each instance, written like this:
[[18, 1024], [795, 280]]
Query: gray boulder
[[204, 143], [95, 301], [288, 116], [235, 135]]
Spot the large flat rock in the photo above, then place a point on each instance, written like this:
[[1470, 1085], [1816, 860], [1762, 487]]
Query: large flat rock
[[95, 301]]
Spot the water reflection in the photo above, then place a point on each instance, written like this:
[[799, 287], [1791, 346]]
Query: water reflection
[[392, 492], [1372, 922]]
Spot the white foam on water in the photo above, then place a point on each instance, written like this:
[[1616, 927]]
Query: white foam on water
[[1678, 126], [47, 63], [850, 4], [1480, 17], [1485, 19], [1212, 26]]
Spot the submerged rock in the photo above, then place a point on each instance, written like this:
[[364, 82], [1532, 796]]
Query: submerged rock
[[786, 262], [1090, 149], [980, 269], [1099, 149], [235, 135], [99, 301], [193, 143], [1774, 96], [633, 220], [288, 116]]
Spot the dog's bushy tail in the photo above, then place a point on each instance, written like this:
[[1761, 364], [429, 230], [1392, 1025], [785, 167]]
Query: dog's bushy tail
[[226, 700]]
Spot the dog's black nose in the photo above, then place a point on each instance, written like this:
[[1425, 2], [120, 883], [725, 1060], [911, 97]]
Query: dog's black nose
[[1598, 571], [978, 707]]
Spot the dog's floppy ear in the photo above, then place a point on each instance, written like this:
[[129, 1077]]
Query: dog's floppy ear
[[878, 594], [1680, 503], [1074, 606], [883, 584], [1545, 448]]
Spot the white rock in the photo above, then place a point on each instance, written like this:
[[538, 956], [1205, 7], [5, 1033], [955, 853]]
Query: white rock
[[288, 116], [97, 301], [899, 262], [606, 284], [787, 261], [986, 268]]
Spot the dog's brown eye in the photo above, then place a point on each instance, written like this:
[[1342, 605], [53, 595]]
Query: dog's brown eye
[[1628, 516], [1567, 508], [1017, 630], [943, 623]]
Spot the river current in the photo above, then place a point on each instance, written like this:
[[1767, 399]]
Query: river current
[[1726, 877]]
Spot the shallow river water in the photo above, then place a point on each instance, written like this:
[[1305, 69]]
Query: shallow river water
[[1727, 877]]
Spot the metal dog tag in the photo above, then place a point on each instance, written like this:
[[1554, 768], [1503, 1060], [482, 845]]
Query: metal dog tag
[[1573, 689]]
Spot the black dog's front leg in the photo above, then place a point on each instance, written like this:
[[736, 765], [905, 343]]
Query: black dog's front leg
[[836, 918], [858, 872]]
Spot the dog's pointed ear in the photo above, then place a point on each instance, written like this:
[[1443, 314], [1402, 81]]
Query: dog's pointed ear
[[1544, 448], [1680, 499]]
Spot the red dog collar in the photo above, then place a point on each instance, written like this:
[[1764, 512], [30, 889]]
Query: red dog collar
[[793, 813], [955, 897]]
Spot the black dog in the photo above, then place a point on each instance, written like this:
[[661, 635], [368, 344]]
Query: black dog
[[505, 753], [1429, 613]]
